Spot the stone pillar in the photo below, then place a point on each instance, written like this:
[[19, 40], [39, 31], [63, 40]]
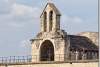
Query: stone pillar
[[58, 22], [96, 55], [77, 55], [93, 55], [89, 55], [42, 24], [73, 55], [84, 56]]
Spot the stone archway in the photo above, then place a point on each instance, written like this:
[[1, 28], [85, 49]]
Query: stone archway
[[47, 51]]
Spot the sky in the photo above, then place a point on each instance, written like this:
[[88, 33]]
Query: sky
[[20, 22]]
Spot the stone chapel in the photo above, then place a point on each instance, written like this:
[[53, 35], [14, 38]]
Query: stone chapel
[[54, 44]]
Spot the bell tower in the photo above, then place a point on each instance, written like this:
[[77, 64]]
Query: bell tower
[[50, 18], [50, 41]]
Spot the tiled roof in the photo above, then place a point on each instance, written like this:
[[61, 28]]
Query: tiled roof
[[81, 43]]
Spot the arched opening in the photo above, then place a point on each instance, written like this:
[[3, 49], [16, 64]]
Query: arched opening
[[45, 21], [50, 20], [47, 51]]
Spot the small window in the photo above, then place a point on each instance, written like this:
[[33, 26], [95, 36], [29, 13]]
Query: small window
[[45, 21], [50, 20]]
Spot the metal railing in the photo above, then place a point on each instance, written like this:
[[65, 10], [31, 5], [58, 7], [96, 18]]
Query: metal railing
[[28, 59], [15, 59]]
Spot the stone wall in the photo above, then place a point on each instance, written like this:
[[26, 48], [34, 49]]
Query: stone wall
[[92, 64]]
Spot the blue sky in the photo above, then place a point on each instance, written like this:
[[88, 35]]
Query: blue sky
[[19, 21]]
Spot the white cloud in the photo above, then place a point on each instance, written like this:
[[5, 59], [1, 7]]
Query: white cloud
[[25, 43], [68, 21], [16, 25], [23, 14], [17, 15], [21, 10], [71, 19], [24, 10], [74, 24]]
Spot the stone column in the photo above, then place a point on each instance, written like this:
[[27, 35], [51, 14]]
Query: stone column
[[84, 56], [93, 55], [96, 56], [58, 22], [77, 54], [42, 24]]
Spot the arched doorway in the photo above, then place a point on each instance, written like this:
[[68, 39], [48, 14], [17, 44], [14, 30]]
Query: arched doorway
[[47, 51]]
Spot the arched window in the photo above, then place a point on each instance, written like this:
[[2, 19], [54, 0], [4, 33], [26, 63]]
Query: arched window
[[45, 21], [50, 20]]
